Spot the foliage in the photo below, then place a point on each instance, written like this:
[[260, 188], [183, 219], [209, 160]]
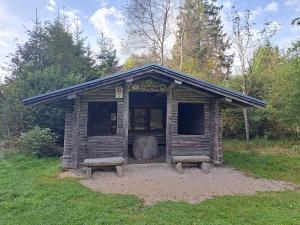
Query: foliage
[[286, 93], [136, 60], [273, 78], [15, 117], [40, 142], [268, 159], [50, 59], [107, 57], [201, 42], [31, 193]]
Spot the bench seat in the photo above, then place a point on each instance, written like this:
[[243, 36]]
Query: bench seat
[[117, 162], [109, 161], [191, 159], [204, 160]]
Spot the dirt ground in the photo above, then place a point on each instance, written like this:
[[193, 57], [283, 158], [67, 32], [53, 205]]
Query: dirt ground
[[159, 182]]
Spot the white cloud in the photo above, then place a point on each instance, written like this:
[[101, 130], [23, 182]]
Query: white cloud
[[11, 33], [103, 3], [295, 4], [51, 5], [110, 21], [272, 7], [8, 41], [256, 12], [227, 4]]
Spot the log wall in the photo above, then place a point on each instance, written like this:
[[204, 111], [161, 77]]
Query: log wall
[[79, 146], [68, 136], [189, 144], [100, 146]]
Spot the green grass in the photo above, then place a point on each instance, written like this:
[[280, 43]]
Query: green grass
[[273, 160], [31, 193]]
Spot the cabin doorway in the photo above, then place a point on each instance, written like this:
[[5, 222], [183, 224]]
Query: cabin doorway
[[147, 127]]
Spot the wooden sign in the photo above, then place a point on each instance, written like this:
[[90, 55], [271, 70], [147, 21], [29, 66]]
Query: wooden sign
[[119, 92], [148, 85]]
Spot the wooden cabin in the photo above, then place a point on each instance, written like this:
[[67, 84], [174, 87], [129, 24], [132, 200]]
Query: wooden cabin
[[113, 115]]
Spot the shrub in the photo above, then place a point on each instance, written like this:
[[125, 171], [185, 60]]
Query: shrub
[[40, 142]]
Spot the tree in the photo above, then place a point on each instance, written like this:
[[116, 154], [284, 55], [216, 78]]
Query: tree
[[137, 60], [52, 58], [246, 40], [149, 25], [264, 64], [107, 56], [201, 44], [286, 92]]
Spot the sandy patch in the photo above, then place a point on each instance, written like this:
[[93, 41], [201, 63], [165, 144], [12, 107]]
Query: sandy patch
[[71, 173], [159, 182]]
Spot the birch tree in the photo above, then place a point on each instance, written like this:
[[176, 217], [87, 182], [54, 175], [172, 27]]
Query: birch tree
[[246, 39], [149, 25]]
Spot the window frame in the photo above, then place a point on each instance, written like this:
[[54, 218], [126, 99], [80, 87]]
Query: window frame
[[90, 132], [147, 119], [203, 133]]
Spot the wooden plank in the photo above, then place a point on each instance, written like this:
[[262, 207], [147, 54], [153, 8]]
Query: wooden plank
[[109, 161], [190, 159]]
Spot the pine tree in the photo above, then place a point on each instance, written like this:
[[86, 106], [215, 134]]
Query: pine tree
[[201, 44], [107, 56]]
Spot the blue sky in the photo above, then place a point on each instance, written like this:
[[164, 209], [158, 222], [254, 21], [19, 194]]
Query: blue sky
[[96, 15]]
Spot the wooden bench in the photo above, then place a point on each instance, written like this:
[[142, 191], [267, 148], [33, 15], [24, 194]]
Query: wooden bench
[[117, 162], [201, 159]]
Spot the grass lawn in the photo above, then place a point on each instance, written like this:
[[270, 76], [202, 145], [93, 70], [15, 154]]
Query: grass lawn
[[268, 159], [30, 193]]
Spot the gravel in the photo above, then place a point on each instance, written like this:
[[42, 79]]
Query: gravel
[[159, 182]]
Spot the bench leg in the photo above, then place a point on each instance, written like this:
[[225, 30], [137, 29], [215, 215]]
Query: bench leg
[[120, 171], [89, 172], [178, 167], [205, 167]]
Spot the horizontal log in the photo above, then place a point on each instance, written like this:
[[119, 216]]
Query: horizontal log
[[109, 161], [191, 159]]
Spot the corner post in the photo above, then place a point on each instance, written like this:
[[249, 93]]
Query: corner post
[[125, 124], [68, 136], [216, 132]]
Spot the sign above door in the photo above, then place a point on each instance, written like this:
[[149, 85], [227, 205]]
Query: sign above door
[[148, 85]]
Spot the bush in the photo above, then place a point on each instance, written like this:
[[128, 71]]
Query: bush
[[40, 142]]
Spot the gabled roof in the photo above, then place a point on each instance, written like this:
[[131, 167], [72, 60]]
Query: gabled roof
[[149, 68]]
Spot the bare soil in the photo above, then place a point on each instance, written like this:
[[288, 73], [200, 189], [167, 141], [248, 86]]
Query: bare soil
[[159, 182]]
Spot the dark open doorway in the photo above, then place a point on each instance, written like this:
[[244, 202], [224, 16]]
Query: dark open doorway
[[147, 126]]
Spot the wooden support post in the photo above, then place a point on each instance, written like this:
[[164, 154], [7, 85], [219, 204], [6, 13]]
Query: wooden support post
[[126, 117], [120, 171], [205, 167], [89, 172], [168, 127], [178, 167], [216, 133]]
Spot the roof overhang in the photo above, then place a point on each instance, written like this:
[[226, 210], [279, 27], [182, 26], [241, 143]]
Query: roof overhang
[[228, 95]]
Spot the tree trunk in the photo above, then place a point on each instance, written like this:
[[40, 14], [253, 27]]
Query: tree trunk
[[162, 56], [181, 47], [245, 111], [246, 122]]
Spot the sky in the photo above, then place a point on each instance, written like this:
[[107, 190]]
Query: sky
[[108, 16]]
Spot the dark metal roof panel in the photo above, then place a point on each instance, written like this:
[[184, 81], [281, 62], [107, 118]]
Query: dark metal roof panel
[[147, 68]]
